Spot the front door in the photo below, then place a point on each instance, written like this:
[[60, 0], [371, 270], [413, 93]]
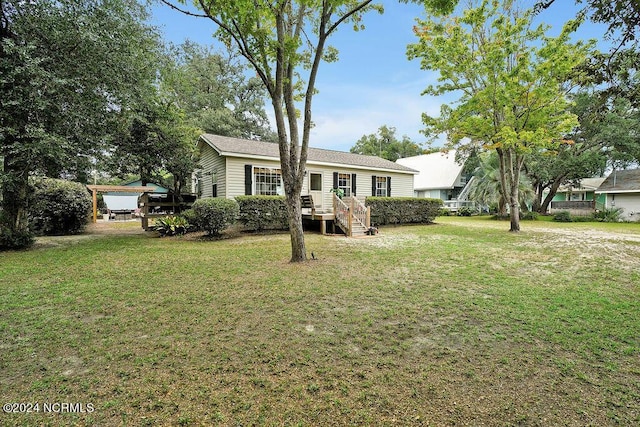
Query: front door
[[315, 189]]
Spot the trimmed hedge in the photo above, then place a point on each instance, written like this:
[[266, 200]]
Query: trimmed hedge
[[259, 213], [59, 207], [213, 214], [403, 210]]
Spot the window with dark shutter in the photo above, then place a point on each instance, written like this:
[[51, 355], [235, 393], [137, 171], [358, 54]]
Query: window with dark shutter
[[248, 183], [353, 184]]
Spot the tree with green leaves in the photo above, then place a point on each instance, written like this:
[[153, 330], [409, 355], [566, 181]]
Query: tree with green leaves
[[215, 93], [385, 144], [512, 81], [156, 139], [285, 42], [68, 67]]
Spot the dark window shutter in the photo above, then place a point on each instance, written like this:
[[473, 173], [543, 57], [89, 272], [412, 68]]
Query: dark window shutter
[[214, 191], [335, 180], [248, 183], [388, 186], [373, 185], [353, 185]]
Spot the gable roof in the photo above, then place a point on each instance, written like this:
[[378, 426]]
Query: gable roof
[[624, 181], [586, 184], [436, 170], [235, 147]]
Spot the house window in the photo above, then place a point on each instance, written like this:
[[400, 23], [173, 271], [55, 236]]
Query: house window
[[268, 181], [381, 186], [344, 183], [315, 182]]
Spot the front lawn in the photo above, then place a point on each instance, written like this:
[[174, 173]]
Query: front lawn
[[458, 323]]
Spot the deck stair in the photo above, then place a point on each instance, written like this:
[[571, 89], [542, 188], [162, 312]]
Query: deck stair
[[352, 216]]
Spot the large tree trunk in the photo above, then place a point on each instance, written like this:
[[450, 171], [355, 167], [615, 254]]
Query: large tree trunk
[[544, 207], [15, 202], [294, 211], [537, 201]]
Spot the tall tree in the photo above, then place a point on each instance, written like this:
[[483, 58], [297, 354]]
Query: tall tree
[[512, 84], [156, 139], [282, 39], [215, 93], [385, 144], [67, 67]]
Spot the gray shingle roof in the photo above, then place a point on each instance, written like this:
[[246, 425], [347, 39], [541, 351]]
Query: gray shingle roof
[[621, 181], [238, 147]]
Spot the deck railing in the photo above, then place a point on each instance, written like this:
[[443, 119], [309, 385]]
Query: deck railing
[[350, 211], [574, 205], [360, 212]]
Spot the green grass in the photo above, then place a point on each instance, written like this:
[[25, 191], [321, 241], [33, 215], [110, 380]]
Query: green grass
[[458, 323]]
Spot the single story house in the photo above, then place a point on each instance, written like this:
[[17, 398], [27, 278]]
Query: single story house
[[622, 190], [578, 199], [232, 167], [440, 176]]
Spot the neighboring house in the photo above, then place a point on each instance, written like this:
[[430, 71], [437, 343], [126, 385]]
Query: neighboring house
[[129, 201], [232, 167], [578, 200], [622, 190], [439, 177]]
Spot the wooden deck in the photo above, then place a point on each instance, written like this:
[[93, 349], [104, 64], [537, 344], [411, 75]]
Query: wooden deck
[[323, 218]]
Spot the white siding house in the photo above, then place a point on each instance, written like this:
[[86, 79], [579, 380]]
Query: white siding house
[[232, 167], [622, 190]]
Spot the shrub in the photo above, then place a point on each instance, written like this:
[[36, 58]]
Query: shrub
[[529, 216], [403, 210], [59, 207], [259, 213], [608, 215], [189, 215], [19, 239], [466, 211], [171, 226], [563, 216], [213, 215]]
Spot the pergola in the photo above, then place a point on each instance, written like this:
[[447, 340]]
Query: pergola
[[95, 189]]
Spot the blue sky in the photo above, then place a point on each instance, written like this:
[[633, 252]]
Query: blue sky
[[373, 83]]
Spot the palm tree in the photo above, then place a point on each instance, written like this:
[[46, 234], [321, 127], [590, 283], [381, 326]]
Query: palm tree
[[485, 189]]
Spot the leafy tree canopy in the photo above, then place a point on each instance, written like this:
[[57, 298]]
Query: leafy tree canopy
[[512, 80], [215, 93], [385, 144]]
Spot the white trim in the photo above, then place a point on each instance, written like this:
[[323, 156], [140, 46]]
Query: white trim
[[617, 191]]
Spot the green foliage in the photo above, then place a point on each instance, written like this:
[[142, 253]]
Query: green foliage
[[466, 211], [403, 210], [530, 216], [215, 93], [213, 215], [608, 215], [190, 216], [69, 68], [171, 226], [563, 216], [511, 79], [59, 207], [14, 239], [385, 144], [339, 192], [259, 213]]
